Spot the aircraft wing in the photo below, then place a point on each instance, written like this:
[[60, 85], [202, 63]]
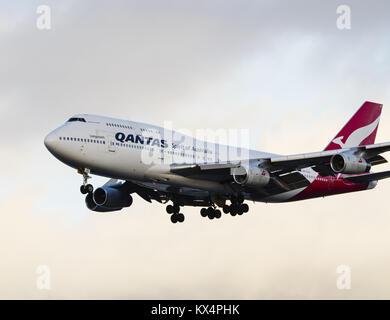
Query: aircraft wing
[[284, 170], [321, 159], [221, 172], [282, 167]]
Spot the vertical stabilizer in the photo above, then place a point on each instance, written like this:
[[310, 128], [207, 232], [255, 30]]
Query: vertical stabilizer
[[360, 129]]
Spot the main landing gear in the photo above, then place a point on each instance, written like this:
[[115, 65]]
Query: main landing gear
[[174, 211], [238, 207], [211, 213], [85, 187]]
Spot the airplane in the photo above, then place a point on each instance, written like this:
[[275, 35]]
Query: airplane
[[169, 167]]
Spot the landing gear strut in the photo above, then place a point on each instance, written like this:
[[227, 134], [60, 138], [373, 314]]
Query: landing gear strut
[[86, 187]]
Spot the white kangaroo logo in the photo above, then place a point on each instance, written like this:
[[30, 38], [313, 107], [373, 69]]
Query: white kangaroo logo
[[356, 137]]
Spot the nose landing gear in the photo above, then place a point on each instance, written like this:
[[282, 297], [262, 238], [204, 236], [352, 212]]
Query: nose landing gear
[[86, 187]]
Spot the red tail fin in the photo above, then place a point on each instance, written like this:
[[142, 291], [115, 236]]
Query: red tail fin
[[360, 130]]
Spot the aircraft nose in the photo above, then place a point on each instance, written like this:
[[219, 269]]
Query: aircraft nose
[[50, 141]]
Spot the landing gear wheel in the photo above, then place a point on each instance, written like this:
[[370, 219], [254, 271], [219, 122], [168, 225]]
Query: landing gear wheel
[[244, 207], [177, 217], [83, 189], [174, 218], [169, 209], [211, 213], [89, 188], [180, 217], [226, 208], [203, 212], [176, 208], [217, 214], [233, 210]]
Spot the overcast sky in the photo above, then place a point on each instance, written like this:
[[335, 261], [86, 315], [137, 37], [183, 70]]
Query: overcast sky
[[281, 69]]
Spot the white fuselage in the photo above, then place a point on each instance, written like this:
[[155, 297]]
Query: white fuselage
[[130, 150]]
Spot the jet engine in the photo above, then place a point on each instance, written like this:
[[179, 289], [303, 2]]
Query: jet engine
[[91, 205], [349, 163], [111, 197], [251, 175], [108, 198]]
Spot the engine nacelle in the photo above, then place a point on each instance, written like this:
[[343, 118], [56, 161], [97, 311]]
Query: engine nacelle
[[349, 163], [91, 205], [111, 197], [251, 175]]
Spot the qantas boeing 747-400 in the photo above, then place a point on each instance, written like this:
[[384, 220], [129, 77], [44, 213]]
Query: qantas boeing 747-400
[[167, 166]]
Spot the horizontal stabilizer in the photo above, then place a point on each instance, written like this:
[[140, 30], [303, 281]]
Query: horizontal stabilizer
[[368, 177]]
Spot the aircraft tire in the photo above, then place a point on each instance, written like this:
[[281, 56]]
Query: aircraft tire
[[211, 213], [169, 209], [180, 217], [89, 188], [233, 210], [83, 190], [174, 218], [176, 208]]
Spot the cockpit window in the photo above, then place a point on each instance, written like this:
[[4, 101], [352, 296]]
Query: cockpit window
[[77, 119]]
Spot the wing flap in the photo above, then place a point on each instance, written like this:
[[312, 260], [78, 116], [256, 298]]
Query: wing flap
[[294, 180], [193, 169], [368, 177], [377, 160], [373, 150]]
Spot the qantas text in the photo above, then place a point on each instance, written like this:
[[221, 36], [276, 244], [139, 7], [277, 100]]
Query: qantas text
[[120, 136]]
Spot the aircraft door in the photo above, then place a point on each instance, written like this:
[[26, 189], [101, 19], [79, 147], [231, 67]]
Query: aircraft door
[[110, 144], [83, 146]]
